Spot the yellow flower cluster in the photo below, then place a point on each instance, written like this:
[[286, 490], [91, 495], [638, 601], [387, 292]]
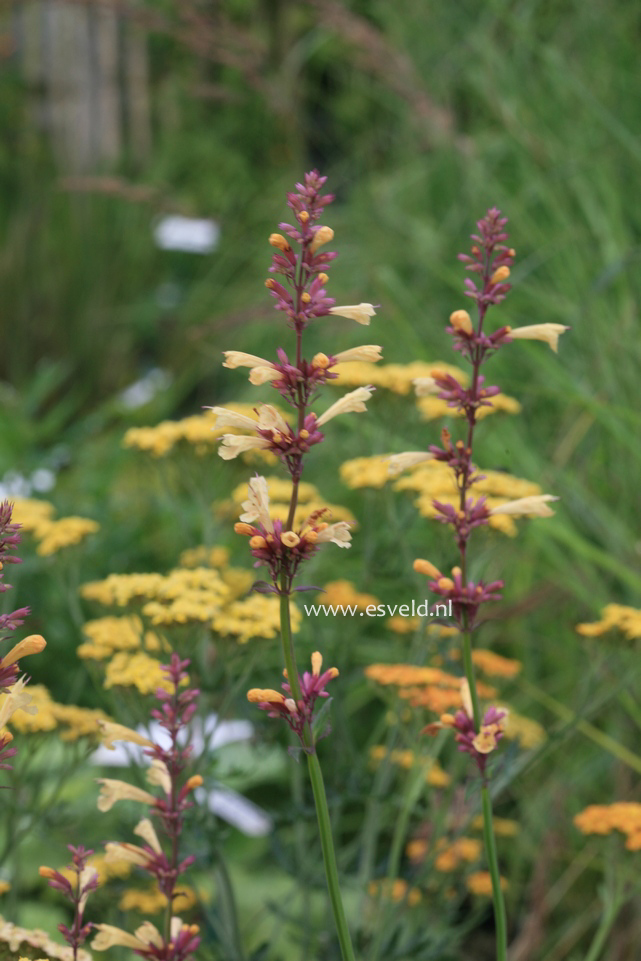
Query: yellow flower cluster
[[74, 722], [52, 535], [4, 887], [397, 890], [433, 480], [187, 595], [344, 593], [503, 827], [614, 616], [492, 664], [480, 883], [137, 670], [310, 499], [407, 625], [21, 941], [198, 431], [428, 687], [204, 557], [449, 855], [435, 776], [256, 616], [432, 408], [152, 901], [623, 816], [398, 378], [528, 733]]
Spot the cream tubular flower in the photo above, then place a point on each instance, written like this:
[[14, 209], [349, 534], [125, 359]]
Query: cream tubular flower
[[368, 352], [256, 507], [158, 775], [270, 419], [116, 851], [236, 358], [230, 418], [466, 698], [263, 375], [110, 937], [549, 333], [234, 444], [18, 699], [112, 791], [145, 830], [110, 732], [424, 386], [534, 506], [352, 403], [361, 313], [338, 534], [400, 462]]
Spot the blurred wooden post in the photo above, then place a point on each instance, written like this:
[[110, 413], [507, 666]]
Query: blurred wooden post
[[137, 92], [90, 92]]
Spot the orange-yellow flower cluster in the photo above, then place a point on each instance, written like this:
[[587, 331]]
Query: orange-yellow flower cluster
[[623, 816]]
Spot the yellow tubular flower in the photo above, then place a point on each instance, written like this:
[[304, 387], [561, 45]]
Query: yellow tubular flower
[[338, 534], [290, 539], [352, 403], [256, 507], [369, 353], [231, 418], [145, 830], [549, 333], [237, 358], [158, 774], [110, 732], [263, 375], [257, 695], [361, 313], [112, 791], [110, 937], [277, 240], [116, 851], [534, 506], [18, 699], [33, 644], [400, 462], [424, 386], [234, 444]]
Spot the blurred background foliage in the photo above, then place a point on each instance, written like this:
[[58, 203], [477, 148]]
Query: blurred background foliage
[[422, 116]]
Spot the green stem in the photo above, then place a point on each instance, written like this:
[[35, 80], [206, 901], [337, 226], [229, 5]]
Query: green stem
[[329, 856], [318, 786], [500, 918]]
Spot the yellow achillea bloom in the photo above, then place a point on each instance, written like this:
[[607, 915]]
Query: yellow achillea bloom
[[32, 513], [256, 616], [65, 532], [432, 408], [492, 664], [623, 816], [614, 617], [436, 776], [4, 887], [480, 883], [432, 480], [106, 635], [205, 557], [199, 432], [136, 670], [399, 378], [344, 593], [503, 827], [397, 891]]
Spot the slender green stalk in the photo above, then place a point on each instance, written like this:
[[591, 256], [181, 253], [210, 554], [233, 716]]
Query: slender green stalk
[[500, 917], [318, 789]]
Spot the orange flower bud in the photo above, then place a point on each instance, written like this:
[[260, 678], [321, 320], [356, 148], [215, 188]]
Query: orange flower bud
[[304, 434], [246, 529], [323, 278], [461, 320], [445, 583], [46, 872], [322, 236], [305, 297], [270, 283], [303, 217], [290, 539], [277, 240], [499, 275], [194, 781], [257, 542], [320, 361], [425, 567]]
